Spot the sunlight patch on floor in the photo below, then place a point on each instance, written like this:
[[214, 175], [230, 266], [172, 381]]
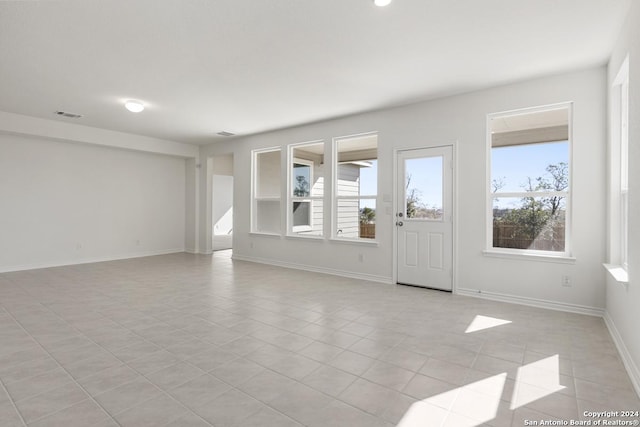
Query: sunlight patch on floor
[[536, 380], [472, 405], [485, 322]]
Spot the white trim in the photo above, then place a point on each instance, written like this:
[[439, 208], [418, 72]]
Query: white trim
[[335, 198], [618, 273], [312, 237], [531, 302], [627, 359], [356, 241], [34, 266], [454, 208], [619, 167], [264, 234], [526, 255], [315, 269], [568, 238], [527, 194], [253, 205], [290, 229]]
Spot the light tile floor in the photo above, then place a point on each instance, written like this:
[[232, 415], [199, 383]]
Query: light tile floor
[[185, 340]]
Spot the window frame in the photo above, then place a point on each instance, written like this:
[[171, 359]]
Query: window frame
[[298, 231], [619, 152], [490, 196], [336, 198], [255, 198], [301, 199]]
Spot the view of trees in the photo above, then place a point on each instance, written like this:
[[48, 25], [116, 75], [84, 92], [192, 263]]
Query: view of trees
[[538, 222], [416, 208], [367, 215], [302, 186]]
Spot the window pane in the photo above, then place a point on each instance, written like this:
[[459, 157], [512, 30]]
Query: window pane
[[267, 218], [307, 217], [302, 214], [301, 180], [307, 170], [423, 184], [624, 228], [359, 179], [356, 219], [357, 159], [530, 167], [267, 173], [535, 223]]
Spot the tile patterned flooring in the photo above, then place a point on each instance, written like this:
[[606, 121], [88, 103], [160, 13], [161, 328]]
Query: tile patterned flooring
[[186, 340]]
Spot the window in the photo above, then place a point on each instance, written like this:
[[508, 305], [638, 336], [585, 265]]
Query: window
[[624, 173], [302, 177], [355, 186], [306, 189], [529, 186], [265, 216], [620, 167]]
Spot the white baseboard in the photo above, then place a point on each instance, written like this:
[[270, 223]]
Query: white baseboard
[[532, 302], [627, 360], [34, 266], [315, 269]]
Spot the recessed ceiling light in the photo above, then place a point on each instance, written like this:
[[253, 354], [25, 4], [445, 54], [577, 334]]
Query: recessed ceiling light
[[134, 106], [381, 3]]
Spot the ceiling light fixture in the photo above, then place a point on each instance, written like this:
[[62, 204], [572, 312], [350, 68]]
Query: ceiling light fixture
[[134, 106], [381, 3]]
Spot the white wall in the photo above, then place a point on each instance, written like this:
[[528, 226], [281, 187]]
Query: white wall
[[461, 120], [66, 202], [223, 165], [623, 302], [191, 206]]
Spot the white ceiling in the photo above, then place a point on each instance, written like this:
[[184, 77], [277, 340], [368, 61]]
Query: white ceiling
[[247, 66]]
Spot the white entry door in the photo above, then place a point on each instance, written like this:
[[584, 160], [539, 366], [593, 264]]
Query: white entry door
[[424, 217]]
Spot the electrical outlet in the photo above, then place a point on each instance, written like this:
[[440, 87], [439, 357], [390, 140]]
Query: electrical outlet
[[360, 257], [566, 281], [251, 245], [138, 242], [78, 246]]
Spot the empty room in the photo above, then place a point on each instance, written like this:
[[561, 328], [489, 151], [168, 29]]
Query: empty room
[[414, 213]]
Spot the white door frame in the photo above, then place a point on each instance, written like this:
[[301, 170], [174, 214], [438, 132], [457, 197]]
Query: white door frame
[[454, 219]]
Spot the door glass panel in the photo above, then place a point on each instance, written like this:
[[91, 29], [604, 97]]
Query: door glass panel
[[423, 188]]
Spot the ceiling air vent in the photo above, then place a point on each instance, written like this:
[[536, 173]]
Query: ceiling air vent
[[225, 133], [68, 114]]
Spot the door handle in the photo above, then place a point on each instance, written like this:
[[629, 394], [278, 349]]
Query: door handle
[[399, 223]]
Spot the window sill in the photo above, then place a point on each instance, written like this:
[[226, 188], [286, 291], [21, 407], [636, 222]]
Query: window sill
[[360, 242], [264, 234], [561, 259], [618, 273], [303, 237]]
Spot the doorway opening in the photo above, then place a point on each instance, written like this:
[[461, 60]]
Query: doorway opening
[[222, 203]]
